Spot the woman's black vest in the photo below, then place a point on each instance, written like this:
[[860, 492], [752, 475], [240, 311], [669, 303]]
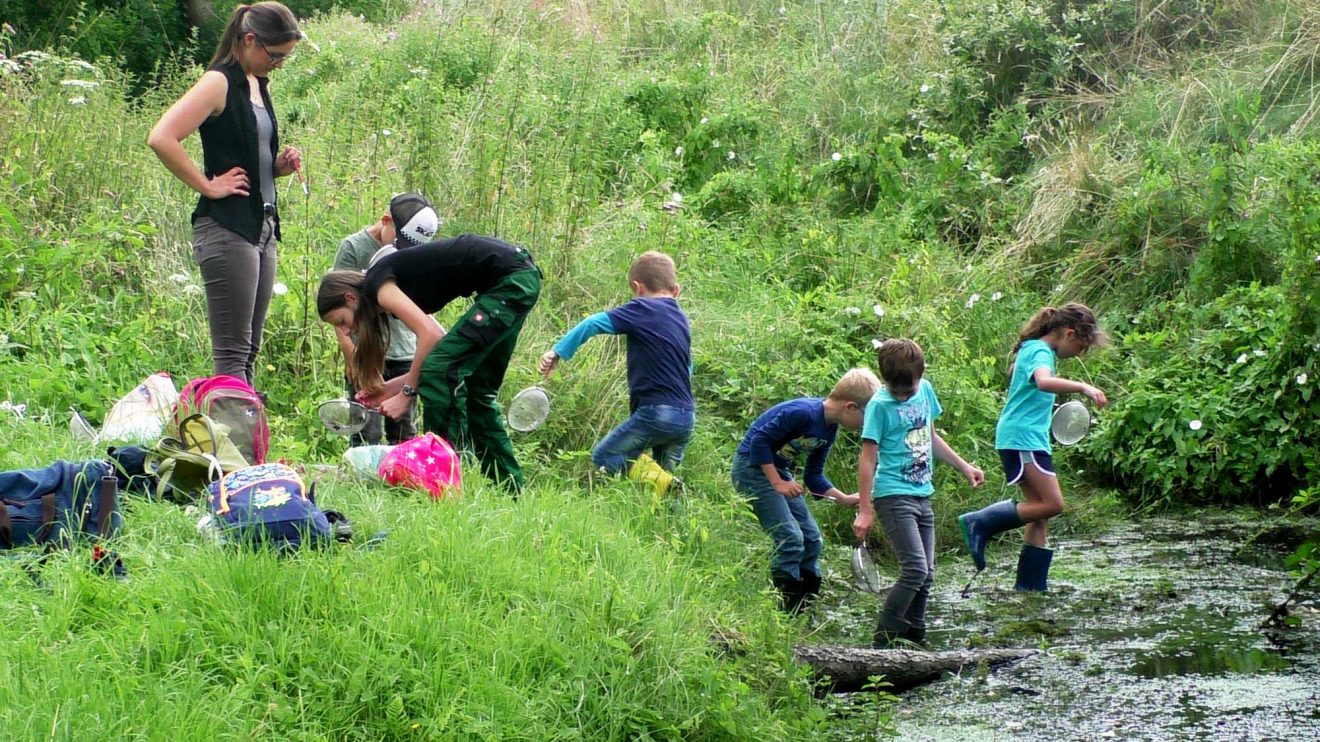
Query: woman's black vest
[[230, 140]]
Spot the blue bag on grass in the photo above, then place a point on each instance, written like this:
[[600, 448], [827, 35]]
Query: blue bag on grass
[[58, 504], [267, 505]]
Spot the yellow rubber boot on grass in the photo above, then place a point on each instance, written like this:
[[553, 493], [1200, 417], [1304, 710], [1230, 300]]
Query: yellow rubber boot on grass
[[646, 470]]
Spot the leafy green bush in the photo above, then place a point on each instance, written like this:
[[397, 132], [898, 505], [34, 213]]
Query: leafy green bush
[[1217, 409]]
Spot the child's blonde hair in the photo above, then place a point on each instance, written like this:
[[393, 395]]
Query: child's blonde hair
[[902, 364], [655, 271], [858, 385]]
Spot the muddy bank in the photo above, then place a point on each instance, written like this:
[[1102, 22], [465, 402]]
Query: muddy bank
[[1148, 633]]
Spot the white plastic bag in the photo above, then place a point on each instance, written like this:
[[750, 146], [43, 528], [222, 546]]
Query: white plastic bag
[[140, 415], [365, 460]]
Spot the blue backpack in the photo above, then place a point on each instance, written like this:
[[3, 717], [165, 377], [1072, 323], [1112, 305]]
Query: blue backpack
[[59, 504], [267, 505]]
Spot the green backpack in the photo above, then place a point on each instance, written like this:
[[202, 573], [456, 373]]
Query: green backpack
[[186, 464]]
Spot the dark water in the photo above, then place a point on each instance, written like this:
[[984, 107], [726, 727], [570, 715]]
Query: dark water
[[1149, 633]]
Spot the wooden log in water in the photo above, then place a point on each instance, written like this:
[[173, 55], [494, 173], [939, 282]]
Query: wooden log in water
[[848, 669]]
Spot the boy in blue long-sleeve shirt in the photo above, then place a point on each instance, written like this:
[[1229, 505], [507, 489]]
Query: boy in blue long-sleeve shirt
[[762, 473], [660, 401]]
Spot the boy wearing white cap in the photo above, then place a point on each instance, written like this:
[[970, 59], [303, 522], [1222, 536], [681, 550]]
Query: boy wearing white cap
[[411, 220]]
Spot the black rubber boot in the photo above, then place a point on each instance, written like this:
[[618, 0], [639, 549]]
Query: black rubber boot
[[1033, 569], [916, 636], [810, 589], [889, 631], [792, 591]]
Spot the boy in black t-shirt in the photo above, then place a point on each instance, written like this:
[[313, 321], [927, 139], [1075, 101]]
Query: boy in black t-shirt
[[663, 412]]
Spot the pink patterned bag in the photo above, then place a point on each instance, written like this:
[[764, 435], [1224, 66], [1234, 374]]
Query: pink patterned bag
[[426, 462]]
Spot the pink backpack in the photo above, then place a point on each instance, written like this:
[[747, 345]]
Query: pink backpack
[[426, 462], [232, 403]]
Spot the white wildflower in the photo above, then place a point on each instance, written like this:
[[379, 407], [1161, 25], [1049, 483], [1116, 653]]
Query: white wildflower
[[84, 84], [733, 155], [1302, 378], [715, 144], [971, 300], [782, 10], [996, 296], [17, 409], [9, 67], [78, 100], [879, 310], [1242, 358], [80, 64], [933, 156], [678, 151], [1259, 353], [1058, 289], [279, 289], [1194, 425], [925, 88], [179, 277], [876, 343], [386, 133], [676, 197], [854, 311], [192, 289], [4, 339], [836, 157], [703, 118]]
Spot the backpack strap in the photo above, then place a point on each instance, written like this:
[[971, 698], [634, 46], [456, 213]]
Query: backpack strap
[[48, 509], [107, 501]]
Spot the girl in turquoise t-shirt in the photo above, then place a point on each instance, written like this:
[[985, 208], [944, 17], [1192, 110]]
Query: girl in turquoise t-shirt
[[1023, 440]]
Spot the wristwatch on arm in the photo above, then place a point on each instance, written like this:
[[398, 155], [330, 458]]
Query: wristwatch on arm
[[409, 391]]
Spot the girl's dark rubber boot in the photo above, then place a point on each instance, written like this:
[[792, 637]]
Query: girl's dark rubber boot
[[980, 526], [1033, 569], [792, 592]]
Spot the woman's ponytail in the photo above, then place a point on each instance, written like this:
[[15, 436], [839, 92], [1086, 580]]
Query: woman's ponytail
[[271, 22]]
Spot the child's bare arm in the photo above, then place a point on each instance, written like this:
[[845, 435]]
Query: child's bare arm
[[944, 452], [1048, 382], [866, 464]]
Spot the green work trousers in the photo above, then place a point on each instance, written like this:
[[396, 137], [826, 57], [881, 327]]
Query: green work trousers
[[463, 373]]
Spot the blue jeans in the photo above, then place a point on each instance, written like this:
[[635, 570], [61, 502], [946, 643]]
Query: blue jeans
[[788, 521], [663, 429], [909, 525]]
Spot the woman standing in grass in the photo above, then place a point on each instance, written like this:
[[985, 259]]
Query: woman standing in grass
[[236, 223], [1023, 438]]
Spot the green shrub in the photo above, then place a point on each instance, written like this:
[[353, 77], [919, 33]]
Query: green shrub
[[1218, 407]]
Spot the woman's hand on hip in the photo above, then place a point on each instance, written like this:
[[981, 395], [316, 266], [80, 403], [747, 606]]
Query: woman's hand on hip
[[231, 183]]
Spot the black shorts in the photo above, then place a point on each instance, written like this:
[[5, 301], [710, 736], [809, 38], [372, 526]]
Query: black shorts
[[1015, 463]]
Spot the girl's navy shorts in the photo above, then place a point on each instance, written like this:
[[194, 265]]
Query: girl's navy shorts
[[1015, 463]]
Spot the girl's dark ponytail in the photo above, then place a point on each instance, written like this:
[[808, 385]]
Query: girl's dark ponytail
[[1077, 317]]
